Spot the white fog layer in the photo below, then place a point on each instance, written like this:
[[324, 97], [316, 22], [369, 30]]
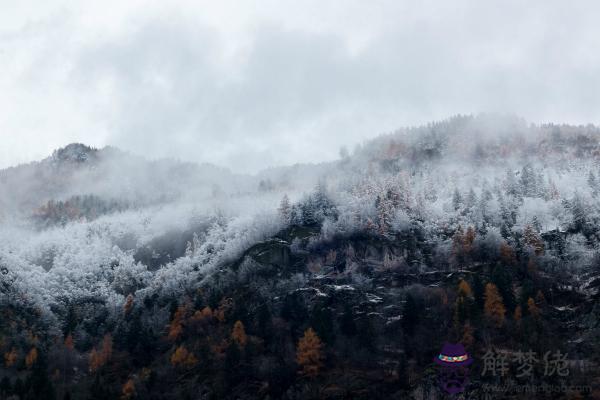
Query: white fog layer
[[102, 224]]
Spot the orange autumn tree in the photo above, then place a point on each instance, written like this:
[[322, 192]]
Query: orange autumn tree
[[238, 334], [128, 390], [464, 289], [507, 255], [203, 315], [31, 357], [128, 304], [468, 240], [461, 306], [176, 326], [10, 357], [308, 354], [494, 307], [181, 357], [98, 358], [69, 344]]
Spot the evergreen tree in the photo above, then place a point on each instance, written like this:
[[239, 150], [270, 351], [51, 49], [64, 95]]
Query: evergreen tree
[[285, 210], [347, 324], [322, 322], [456, 200], [410, 316]]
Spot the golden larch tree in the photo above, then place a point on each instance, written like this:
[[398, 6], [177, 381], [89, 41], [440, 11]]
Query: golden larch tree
[[176, 326], [308, 353], [10, 357], [31, 357], [69, 344], [107, 346], [128, 304], [468, 240], [238, 334], [99, 358], [181, 357], [128, 390], [464, 289], [494, 307], [507, 255], [95, 361]]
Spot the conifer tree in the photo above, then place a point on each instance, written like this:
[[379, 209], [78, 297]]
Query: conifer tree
[[285, 210], [238, 334], [309, 355], [494, 307]]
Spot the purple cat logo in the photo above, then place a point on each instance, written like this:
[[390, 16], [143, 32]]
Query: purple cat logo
[[454, 372]]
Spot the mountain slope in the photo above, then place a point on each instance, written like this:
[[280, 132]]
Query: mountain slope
[[197, 282]]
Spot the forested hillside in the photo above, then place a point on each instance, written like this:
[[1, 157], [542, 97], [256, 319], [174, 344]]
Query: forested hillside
[[126, 278]]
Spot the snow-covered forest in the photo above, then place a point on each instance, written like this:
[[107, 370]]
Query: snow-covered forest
[[90, 237]]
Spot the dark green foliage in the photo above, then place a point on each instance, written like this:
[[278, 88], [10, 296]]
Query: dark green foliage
[[321, 320], [410, 316], [347, 323]]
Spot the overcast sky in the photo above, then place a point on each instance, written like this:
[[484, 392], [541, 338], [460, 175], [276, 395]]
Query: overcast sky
[[255, 84]]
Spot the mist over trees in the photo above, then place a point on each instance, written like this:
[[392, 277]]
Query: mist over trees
[[117, 272]]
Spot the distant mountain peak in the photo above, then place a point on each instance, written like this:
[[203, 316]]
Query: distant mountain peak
[[74, 152]]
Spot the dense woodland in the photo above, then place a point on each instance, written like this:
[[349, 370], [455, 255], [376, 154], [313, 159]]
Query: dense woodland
[[134, 279]]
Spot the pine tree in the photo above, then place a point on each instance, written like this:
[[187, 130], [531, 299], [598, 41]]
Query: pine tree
[[494, 307], [478, 292], [593, 183], [456, 200], [285, 210], [410, 316], [578, 210], [385, 213], [5, 387], [528, 181], [471, 200], [533, 240], [458, 241], [308, 354], [507, 255], [321, 319], [347, 324]]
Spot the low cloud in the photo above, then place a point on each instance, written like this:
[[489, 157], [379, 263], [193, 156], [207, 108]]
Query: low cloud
[[278, 88]]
